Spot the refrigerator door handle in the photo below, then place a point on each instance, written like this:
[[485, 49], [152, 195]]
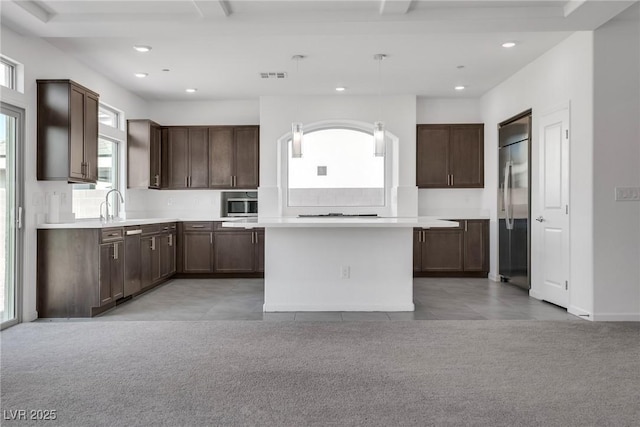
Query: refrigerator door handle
[[507, 196]]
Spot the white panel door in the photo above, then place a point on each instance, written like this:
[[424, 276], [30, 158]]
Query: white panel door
[[551, 224]]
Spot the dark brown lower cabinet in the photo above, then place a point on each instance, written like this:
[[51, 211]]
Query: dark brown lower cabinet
[[452, 252], [238, 250], [197, 249], [111, 272], [132, 267], [80, 272]]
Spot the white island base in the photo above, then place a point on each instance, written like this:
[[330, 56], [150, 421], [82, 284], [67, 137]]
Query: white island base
[[338, 269]]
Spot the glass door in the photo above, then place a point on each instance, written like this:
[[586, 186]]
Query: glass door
[[11, 142]]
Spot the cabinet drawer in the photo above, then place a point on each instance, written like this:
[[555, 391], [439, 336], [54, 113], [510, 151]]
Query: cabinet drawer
[[198, 226], [111, 234], [151, 229]]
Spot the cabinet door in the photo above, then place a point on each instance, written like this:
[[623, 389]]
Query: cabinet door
[[156, 273], [466, 156], [234, 252], [91, 137], [417, 249], [172, 254], [155, 156], [442, 250], [475, 242], [432, 154], [117, 271], [247, 156], [220, 157], [146, 251], [106, 253], [258, 245], [198, 158], [76, 135], [132, 267], [178, 146], [163, 245], [197, 252]]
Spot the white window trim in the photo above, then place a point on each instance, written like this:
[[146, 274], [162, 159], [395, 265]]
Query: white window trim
[[18, 74], [391, 167]]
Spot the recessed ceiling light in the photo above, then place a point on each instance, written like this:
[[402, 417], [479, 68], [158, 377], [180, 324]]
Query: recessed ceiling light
[[141, 75], [460, 67], [142, 48], [165, 69], [460, 87], [191, 90], [508, 44], [340, 89]]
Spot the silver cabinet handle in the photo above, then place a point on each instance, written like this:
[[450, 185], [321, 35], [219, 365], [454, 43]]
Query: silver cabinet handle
[[133, 232], [452, 180], [211, 238], [465, 225], [115, 251], [197, 226], [156, 181], [19, 220], [113, 234], [170, 239], [153, 243], [253, 238]]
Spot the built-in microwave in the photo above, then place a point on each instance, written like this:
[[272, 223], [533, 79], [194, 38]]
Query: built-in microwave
[[242, 206]]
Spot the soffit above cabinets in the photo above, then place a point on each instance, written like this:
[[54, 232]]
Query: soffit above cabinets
[[221, 46]]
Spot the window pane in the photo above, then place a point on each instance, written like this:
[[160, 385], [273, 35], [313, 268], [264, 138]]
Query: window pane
[[7, 74], [338, 168], [87, 197], [109, 116]]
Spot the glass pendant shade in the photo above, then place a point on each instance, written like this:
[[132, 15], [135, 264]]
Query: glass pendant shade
[[296, 140], [378, 139]]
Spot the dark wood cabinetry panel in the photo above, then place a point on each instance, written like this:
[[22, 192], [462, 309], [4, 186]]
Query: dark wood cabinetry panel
[[198, 158], [178, 156], [466, 160], [198, 252], [432, 154], [144, 154], [234, 252], [454, 252], [476, 245], [132, 266], [259, 251], [221, 152], [442, 250], [450, 156], [247, 155], [105, 274], [67, 130]]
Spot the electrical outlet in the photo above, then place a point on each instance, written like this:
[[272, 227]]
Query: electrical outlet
[[170, 201], [345, 272], [628, 194]]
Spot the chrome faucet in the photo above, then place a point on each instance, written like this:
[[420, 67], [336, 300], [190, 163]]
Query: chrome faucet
[[106, 199]]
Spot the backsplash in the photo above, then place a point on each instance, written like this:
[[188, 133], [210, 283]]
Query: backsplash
[[186, 204]]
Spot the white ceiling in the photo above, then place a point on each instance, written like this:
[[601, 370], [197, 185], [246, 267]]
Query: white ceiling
[[220, 47]]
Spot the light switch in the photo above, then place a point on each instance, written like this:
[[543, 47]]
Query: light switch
[[627, 194], [322, 171]]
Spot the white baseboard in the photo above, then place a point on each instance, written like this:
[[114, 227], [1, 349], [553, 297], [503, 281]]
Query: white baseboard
[[616, 317], [534, 294], [494, 277], [336, 307]]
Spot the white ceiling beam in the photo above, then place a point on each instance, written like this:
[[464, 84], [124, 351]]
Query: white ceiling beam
[[572, 5], [37, 9], [394, 7]]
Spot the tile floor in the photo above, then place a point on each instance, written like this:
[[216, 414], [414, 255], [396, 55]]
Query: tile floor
[[242, 299]]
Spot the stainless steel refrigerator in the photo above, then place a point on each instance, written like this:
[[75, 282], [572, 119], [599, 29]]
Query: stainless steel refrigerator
[[514, 200]]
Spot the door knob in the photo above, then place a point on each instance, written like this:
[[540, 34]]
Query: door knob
[[540, 219]]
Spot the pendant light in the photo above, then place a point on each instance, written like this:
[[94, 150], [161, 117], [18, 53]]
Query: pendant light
[[296, 127], [378, 127]]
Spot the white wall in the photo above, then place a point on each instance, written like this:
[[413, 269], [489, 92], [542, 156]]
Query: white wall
[[278, 112], [44, 61], [223, 112], [563, 74], [617, 163]]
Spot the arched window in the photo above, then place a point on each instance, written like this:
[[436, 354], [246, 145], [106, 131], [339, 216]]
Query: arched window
[[337, 169]]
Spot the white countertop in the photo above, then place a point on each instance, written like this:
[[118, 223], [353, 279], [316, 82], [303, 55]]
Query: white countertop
[[94, 223], [342, 222]]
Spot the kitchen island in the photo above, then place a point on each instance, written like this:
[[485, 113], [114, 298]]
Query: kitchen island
[[339, 263]]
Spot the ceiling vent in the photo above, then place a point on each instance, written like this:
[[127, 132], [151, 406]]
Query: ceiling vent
[[278, 75]]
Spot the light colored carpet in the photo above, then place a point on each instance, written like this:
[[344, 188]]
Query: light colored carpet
[[441, 373]]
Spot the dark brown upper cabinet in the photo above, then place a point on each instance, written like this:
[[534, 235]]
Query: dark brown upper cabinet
[[188, 154], [67, 129], [234, 157], [450, 156], [144, 154]]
